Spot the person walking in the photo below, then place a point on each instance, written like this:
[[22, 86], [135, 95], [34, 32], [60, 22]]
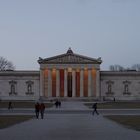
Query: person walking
[[95, 109], [37, 107], [59, 103], [56, 104], [42, 109]]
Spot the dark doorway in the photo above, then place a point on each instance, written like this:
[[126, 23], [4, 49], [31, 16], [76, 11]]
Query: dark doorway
[[69, 84]]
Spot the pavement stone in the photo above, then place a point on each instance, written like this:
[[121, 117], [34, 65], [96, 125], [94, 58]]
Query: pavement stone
[[70, 126]]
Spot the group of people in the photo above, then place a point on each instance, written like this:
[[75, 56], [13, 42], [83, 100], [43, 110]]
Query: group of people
[[39, 109], [58, 104]]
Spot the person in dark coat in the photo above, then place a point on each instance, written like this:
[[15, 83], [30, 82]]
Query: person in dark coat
[[59, 104], [10, 105], [42, 109], [56, 104], [37, 107], [114, 99], [95, 109]]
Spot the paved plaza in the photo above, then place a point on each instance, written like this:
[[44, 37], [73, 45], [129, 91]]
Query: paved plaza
[[60, 126]]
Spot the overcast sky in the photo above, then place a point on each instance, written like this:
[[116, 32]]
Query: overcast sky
[[109, 29]]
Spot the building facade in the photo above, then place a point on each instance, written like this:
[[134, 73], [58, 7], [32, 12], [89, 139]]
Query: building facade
[[69, 75]]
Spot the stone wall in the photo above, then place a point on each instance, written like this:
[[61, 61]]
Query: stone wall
[[19, 85], [121, 85]]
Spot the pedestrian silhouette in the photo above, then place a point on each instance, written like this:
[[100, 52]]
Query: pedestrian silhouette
[[56, 104], [42, 109], [10, 105], [59, 104], [114, 99], [37, 107], [95, 109]]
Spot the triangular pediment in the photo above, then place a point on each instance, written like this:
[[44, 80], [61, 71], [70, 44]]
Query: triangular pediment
[[69, 58]]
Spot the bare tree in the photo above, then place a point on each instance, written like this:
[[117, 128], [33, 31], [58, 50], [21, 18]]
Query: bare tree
[[111, 68], [5, 64], [116, 68], [136, 67]]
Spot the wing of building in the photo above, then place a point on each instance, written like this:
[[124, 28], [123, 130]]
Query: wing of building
[[69, 75]]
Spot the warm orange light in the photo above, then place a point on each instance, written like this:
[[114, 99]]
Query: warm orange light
[[93, 72], [77, 70], [85, 68], [46, 71], [69, 69], [53, 70]]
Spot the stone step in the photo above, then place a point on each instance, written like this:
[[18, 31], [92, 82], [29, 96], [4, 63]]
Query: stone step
[[81, 99]]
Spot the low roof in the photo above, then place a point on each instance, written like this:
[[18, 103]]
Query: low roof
[[70, 58]]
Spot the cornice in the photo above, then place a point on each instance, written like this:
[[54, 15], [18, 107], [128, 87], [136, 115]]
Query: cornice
[[19, 73], [120, 73]]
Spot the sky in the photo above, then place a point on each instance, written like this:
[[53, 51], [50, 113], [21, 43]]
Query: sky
[[109, 29]]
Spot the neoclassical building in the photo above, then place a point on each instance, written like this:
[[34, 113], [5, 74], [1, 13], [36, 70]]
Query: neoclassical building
[[69, 75]]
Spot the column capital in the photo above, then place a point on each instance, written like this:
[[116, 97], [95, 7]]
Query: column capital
[[74, 69], [42, 69], [50, 69], [81, 69]]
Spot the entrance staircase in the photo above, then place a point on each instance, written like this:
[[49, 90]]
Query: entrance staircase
[[79, 99]]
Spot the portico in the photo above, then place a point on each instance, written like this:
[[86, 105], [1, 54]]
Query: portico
[[69, 75]]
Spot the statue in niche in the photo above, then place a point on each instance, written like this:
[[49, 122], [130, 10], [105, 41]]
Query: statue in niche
[[109, 87], [126, 87]]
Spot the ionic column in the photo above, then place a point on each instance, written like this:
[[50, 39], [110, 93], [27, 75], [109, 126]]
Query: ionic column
[[94, 82], [65, 82], [81, 82], [49, 83], [97, 83], [41, 82], [45, 83], [89, 83], [57, 83], [73, 83]]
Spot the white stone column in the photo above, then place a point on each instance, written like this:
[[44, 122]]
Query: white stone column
[[93, 82], [81, 82], [45, 83], [57, 83], [73, 83], [49, 83], [89, 83], [41, 82], [97, 83], [65, 82]]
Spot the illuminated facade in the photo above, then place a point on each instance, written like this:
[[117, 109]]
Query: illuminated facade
[[69, 75]]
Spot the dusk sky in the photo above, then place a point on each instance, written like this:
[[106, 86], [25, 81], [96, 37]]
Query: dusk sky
[[109, 29]]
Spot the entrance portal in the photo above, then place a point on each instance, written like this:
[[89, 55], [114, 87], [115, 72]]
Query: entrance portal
[[69, 84]]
